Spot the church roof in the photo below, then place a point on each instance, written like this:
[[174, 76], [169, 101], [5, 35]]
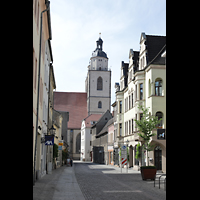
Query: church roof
[[73, 102], [100, 53], [99, 50], [91, 118]]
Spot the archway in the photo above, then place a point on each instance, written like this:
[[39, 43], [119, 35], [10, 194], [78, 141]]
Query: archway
[[78, 143]]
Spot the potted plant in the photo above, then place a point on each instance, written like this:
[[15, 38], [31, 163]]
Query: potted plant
[[145, 127]]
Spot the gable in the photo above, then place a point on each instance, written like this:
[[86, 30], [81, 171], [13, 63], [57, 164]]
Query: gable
[[142, 37]]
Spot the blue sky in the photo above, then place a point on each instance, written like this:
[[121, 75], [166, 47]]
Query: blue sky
[[76, 26]]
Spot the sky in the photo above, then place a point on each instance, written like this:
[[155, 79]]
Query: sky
[[76, 26]]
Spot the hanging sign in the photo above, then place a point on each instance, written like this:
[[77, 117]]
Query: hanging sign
[[60, 142], [161, 134], [49, 139]]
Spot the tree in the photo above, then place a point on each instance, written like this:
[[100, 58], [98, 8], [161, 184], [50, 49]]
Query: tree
[[145, 126], [55, 150]]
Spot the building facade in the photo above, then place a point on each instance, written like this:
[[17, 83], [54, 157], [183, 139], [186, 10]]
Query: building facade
[[75, 103], [42, 57], [86, 140], [99, 138], [142, 82]]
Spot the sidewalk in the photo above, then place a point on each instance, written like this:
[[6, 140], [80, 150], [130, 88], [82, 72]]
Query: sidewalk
[[59, 185]]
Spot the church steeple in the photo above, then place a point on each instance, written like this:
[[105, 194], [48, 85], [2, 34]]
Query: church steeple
[[99, 50], [98, 81], [99, 43]]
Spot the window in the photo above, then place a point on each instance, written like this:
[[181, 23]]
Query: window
[[141, 91], [38, 11], [120, 129], [99, 104], [129, 98], [129, 127], [141, 115], [135, 92], [99, 84], [132, 125], [158, 87], [120, 107], [35, 75], [41, 90], [132, 100], [159, 115]]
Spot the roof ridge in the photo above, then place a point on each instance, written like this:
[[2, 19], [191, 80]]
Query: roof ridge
[[157, 35]]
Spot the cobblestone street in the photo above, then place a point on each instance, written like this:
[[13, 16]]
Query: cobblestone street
[[106, 182]]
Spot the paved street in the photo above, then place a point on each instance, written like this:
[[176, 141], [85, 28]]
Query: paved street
[[91, 181], [106, 182], [59, 185]]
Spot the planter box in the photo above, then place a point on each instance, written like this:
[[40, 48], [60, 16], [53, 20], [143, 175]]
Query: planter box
[[148, 173]]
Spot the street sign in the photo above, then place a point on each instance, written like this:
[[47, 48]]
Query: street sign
[[59, 147], [49, 139], [124, 161], [161, 134], [60, 143]]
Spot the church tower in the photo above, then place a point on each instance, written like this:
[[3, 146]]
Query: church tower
[[98, 81]]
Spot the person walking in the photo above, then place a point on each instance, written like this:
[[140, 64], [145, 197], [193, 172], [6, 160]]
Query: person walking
[[68, 161], [71, 161]]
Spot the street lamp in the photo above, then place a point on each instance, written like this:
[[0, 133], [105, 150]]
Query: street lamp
[[127, 141], [52, 129]]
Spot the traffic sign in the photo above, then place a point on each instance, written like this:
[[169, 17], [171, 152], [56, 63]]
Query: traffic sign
[[124, 161], [124, 147]]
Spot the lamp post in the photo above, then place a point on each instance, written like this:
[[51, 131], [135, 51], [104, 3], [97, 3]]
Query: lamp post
[[127, 141], [52, 132]]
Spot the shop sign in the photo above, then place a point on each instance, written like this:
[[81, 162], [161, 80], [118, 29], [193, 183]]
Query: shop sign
[[161, 134]]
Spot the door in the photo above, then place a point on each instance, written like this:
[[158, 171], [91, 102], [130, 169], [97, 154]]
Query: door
[[158, 157]]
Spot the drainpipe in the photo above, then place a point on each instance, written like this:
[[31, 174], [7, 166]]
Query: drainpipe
[[38, 90]]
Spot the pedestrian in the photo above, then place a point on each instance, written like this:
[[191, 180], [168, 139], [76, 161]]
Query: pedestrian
[[68, 161], [71, 161]]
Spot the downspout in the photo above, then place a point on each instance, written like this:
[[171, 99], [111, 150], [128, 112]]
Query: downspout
[[38, 90]]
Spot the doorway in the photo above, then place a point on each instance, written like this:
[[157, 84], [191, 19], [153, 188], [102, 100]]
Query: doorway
[[158, 157]]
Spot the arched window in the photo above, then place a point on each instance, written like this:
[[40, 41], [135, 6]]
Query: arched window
[[99, 83], [99, 104], [158, 87], [159, 115]]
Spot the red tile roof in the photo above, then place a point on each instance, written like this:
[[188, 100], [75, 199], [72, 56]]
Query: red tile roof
[[73, 102], [92, 117]]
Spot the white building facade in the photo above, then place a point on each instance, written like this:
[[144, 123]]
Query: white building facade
[[143, 82]]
